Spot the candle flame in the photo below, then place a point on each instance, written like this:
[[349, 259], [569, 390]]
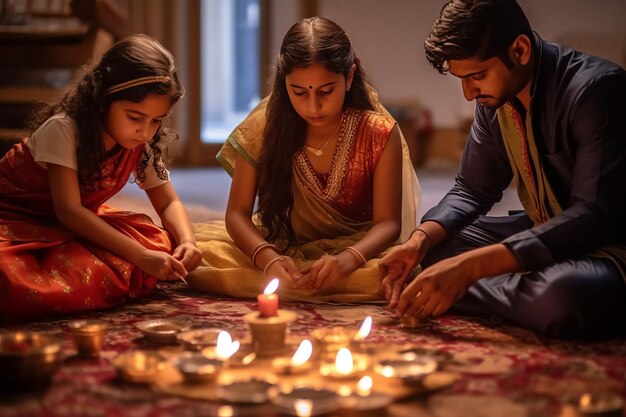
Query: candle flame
[[365, 329], [344, 362], [225, 347], [364, 387], [271, 287], [303, 408], [303, 353]]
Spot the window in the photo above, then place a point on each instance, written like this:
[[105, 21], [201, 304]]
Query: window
[[230, 43]]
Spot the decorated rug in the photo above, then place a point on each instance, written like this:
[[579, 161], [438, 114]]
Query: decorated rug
[[501, 370]]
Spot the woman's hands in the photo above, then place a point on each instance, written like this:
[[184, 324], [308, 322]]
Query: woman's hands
[[284, 269], [327, 270]]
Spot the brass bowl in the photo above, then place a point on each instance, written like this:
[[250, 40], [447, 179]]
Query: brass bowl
[[163, 330], [197, 368], [29, 358], [88, 336], [199, 339], [139, 366]]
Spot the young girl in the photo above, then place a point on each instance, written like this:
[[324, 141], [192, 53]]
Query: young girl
[[61, 249], [331, 173]]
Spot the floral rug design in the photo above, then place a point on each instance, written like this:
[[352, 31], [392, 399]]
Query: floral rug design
[[503, 370]]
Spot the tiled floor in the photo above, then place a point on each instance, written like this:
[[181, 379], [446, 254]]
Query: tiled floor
[[205, 191]]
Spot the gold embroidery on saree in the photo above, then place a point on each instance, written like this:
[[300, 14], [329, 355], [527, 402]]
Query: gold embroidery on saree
[[339, 165]]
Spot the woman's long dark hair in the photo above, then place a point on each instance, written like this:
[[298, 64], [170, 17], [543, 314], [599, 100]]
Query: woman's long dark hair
[[309, 41], [86, 102]]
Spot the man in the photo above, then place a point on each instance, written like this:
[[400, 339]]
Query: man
[[554, 121]]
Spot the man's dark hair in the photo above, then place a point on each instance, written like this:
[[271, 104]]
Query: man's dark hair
[[480, 29]]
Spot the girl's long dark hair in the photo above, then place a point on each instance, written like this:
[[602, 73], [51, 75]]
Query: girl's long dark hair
[[309, 41], [86, 102]]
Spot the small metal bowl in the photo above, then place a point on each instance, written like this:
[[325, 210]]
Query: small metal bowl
[[406, 366], [601, 404], [138, 366], [163, 330], [250, 391], [29, 357], [199, 339], [88, 336], [307, 401], [328, 340], [197, 368]]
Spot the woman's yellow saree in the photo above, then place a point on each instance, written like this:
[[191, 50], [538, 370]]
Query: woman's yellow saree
[[330, 212]]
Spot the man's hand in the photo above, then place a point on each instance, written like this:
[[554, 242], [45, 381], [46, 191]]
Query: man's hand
[[439, 286], [396, 266]]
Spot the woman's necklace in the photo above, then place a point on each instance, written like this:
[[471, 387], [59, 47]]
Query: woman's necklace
[[320, 151]]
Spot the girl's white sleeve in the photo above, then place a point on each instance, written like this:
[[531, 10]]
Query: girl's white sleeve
[[55, 142]]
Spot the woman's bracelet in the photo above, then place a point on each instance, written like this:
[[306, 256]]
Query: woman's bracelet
[[425, 234], [272, 261], [257, 249], [358, 254]]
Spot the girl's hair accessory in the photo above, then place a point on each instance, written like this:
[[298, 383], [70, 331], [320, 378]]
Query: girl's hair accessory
[[138, 81]]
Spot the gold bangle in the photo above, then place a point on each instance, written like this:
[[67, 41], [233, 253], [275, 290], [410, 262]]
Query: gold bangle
[[358, 254], [425, 234], [257, 249], [272, 261]]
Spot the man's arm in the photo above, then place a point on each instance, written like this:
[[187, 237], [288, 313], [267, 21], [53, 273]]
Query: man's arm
[[483, 175]]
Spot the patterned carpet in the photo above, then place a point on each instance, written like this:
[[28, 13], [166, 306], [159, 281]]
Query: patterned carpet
[[502, 370]]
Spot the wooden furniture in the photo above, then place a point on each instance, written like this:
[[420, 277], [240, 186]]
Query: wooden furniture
[[42, 44]]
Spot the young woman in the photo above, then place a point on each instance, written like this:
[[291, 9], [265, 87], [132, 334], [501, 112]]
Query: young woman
[[329, 171], [61, 249]]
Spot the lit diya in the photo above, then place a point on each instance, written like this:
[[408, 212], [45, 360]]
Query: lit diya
[[298, 363], [365, 399], [224, 348], [330, 339], [346, 365]]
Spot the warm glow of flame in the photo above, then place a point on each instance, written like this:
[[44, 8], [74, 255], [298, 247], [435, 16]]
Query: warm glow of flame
[[140, 362], [271, 287], [365, 329], [344, 391], [388, 371], [364, 387], [225, 411], [225, 347], [303, 353], [303, 407], [343, 362]]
